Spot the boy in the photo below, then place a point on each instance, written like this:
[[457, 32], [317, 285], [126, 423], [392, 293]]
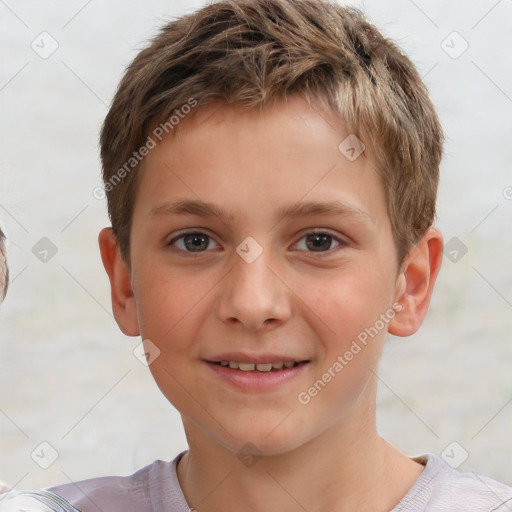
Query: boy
[[271, 169]]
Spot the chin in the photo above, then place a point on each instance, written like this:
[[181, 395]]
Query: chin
[[262, 436]]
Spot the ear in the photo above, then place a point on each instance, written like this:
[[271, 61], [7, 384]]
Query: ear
[[415, 283], [123, 300]]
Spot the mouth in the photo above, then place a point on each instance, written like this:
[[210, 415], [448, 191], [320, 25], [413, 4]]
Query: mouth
[[259, 367], [257, 374]]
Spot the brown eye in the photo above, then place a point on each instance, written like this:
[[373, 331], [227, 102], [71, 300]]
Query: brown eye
[[196, 242], [192, 242], [318, 242]]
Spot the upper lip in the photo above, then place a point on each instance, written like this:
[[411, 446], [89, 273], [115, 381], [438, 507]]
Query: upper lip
[[254, 358]]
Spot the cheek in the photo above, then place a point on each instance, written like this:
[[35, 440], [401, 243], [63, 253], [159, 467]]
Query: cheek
[[347, 303], [165, 300], [348, 310], [169, 310]]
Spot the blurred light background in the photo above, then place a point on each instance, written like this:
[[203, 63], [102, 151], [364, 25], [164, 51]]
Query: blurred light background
[[69, 377]]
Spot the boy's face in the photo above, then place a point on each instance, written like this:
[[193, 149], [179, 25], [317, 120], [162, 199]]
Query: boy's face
[[283, 295]]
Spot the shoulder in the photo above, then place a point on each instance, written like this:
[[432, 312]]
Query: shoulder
[[39, 501], [443, 489], [153, 487]]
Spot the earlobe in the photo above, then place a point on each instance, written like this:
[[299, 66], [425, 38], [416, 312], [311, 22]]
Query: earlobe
[[123, 300], [416, 281]]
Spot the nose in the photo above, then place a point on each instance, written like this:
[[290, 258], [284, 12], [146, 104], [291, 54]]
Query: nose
[[253, 296]]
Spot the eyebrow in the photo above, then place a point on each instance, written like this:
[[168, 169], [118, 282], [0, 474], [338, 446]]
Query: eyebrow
[[203, 209]]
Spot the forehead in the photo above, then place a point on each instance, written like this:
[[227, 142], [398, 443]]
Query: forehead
[[246, 161]]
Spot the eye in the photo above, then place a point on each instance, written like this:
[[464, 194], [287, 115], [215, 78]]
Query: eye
[[193, 242], [318, 241]]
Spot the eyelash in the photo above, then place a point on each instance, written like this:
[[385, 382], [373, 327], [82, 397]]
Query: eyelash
[[341, 243]]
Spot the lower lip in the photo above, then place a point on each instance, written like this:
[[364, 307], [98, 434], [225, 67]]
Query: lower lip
[[255, 380]]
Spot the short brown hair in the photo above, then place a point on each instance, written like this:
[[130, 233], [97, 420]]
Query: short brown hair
[[248, 53]]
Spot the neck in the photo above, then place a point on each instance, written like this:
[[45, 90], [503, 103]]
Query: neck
[[345, 469]]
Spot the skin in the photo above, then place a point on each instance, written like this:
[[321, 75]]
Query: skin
[[293, 299]]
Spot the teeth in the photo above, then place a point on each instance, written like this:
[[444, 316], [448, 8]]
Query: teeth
[[261, 367], [264, 367], [246, 367]]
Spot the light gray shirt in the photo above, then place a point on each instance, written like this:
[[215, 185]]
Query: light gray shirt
[[155, 488]]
